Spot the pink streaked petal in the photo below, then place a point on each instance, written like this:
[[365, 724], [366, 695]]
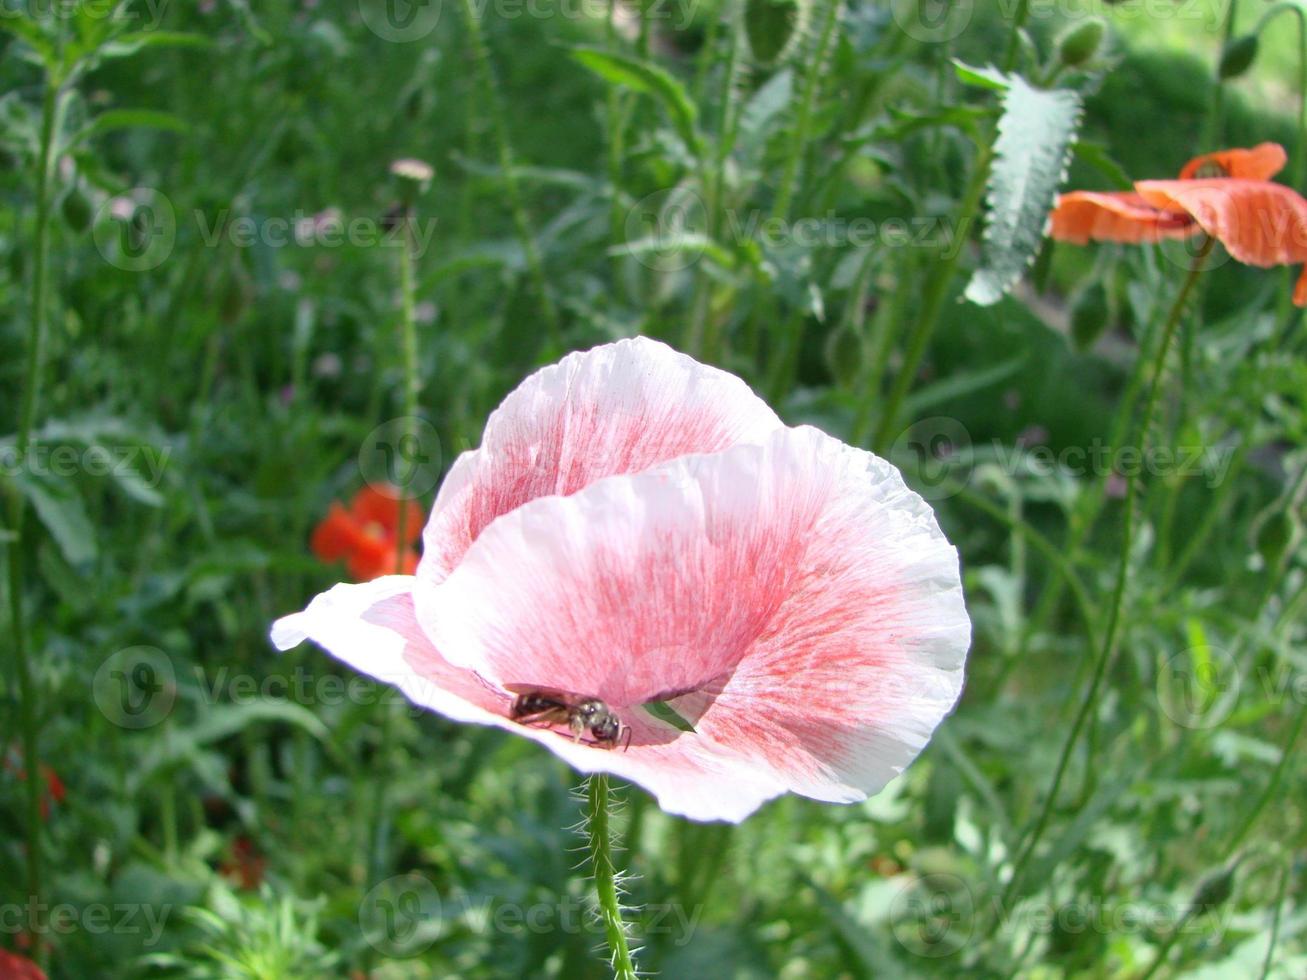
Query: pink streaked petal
[[372, 628], [797, 587], [619, 408]]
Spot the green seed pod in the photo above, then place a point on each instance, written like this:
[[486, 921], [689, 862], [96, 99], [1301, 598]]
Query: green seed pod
[[1079, 42], [1237, 56], [771, 27], [844, 356], [1089, 316], [77, 210]]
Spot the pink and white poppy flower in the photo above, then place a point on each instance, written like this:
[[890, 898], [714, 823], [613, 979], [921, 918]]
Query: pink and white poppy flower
[[638, 527]]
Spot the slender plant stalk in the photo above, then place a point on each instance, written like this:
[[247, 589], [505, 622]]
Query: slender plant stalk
[[605, 876], [27, 694], [798, 142], [927, 316], [702, 337], [1272, 786], [1275, 921], [409, 347], [1107, 649], [504, 149], [1014, 36]]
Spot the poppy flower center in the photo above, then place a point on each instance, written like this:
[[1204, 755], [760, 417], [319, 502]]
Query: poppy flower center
[[1210, 168]]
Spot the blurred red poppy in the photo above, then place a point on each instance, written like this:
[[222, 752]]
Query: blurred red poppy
[[1227, 195], [246, 865], [15, 967], [55, 792], [366, 535]]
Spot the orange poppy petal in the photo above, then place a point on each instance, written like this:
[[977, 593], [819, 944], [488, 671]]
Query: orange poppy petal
[[1300, 289], [1115, 216], [1262, 162], [373, 505], [1258, 222], [336, 535]]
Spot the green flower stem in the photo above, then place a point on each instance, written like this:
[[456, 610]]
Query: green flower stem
[[409, 346], [526, 238], [1090, 504], [1213, 123], [702, 335], [1014, 36], [605, 876], [27, 694], [1107, 648], [1285, 314], [927, 316], [798, 142]]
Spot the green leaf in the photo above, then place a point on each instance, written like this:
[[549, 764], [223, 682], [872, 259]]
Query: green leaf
[[1096, 156], [126, 45], [116, 119], [960, 384], [767, 105], [990, 78], [641, 76], [1031, 154], [665, 712], [61, 510]]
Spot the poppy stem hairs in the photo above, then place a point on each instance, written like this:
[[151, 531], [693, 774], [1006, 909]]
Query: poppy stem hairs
[[605, 875]]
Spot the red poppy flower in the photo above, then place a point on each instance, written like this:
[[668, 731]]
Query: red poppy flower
[[15, 967], [1227, 195], [246, 866], [366, 535], [55, 792]]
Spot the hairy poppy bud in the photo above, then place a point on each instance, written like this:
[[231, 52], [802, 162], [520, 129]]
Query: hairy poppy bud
[[1215, 889], [1237, 56], [77, 210], [1089, 316], [771, 26], [1080, 42]]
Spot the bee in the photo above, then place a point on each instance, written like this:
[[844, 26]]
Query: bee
[[581, 714]]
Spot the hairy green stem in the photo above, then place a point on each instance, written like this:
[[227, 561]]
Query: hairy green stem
[[702, 339], [1107, 648], [27, 695], [504, 149], [605, 875]]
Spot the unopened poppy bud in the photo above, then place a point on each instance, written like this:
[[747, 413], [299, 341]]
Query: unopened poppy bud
[[771, 26], [1215, 889], [1274, 537], [1080, 42], [844, 355], [77, 210], [1089, 315], [1237, 56]]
